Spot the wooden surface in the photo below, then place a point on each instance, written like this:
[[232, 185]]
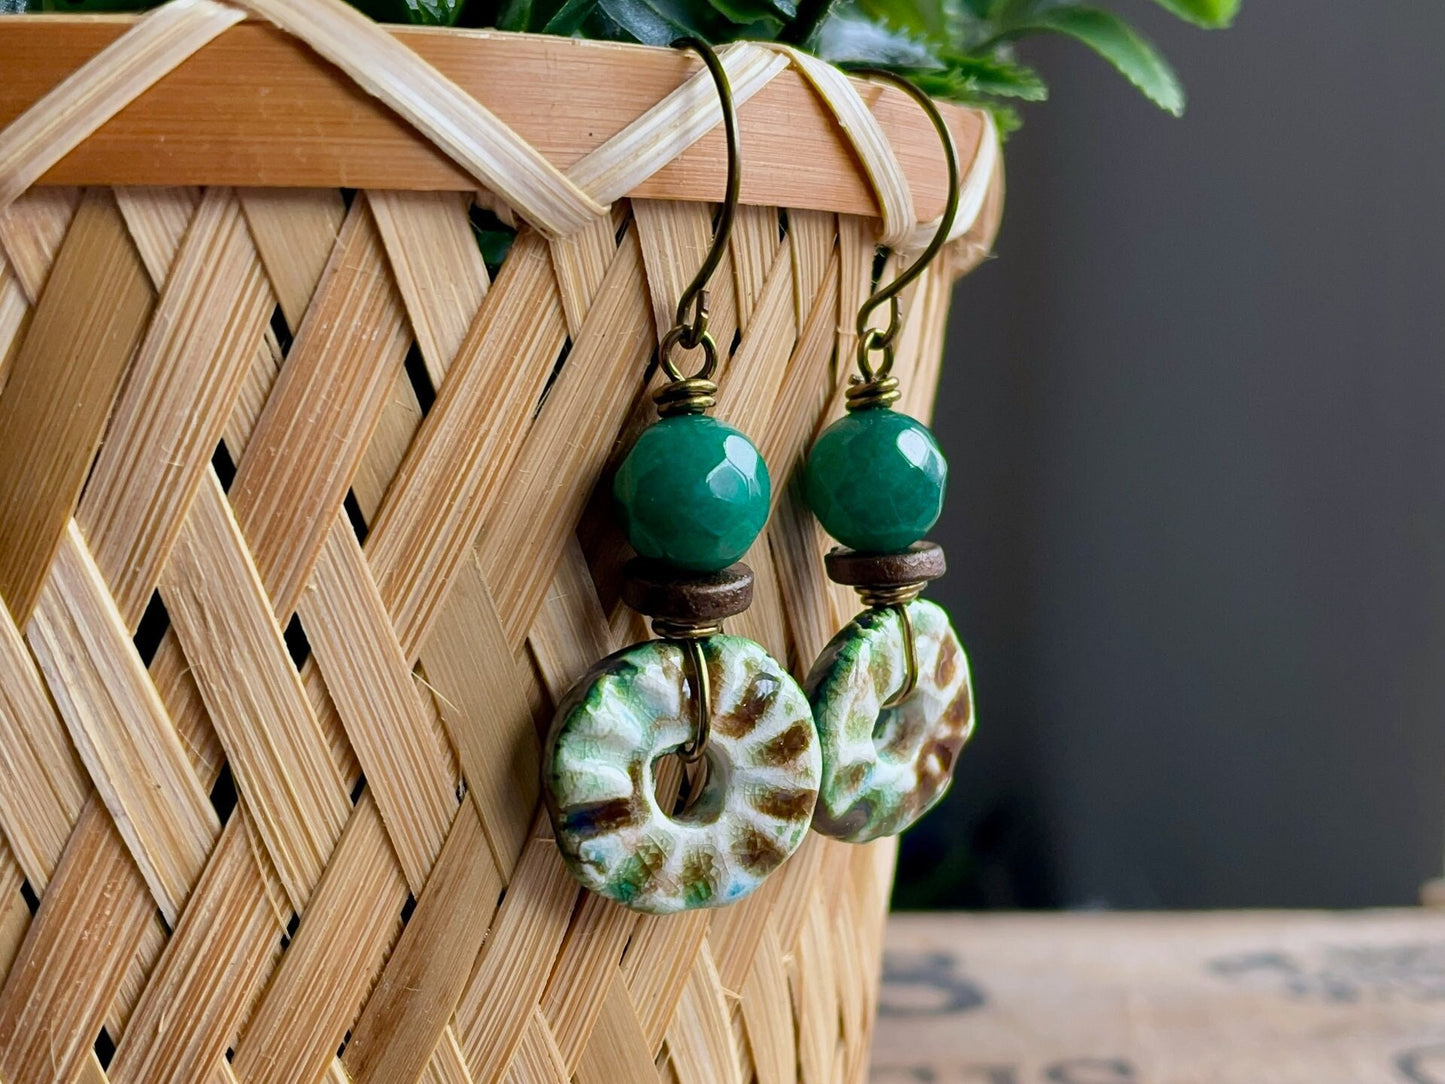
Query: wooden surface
[[257, 108], [1226, 998]]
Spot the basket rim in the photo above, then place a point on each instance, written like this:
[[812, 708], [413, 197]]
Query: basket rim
[[256, 108]]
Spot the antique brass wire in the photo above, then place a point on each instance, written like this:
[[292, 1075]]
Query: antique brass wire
[[697, 394], [896, 598], [883, 340], [689, 635]]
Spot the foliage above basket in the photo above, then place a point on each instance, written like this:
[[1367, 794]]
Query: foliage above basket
[[962, 50]]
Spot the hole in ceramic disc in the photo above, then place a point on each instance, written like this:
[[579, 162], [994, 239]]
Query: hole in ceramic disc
[[694, 799]]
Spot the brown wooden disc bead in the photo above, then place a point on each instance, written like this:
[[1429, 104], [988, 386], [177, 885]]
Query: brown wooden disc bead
[[675, 594], [919, 563]]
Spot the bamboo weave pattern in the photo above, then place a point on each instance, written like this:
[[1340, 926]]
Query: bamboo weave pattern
[[300, 538]]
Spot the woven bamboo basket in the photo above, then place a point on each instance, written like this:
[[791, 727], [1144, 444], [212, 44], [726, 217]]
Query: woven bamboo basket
[[300, 536]]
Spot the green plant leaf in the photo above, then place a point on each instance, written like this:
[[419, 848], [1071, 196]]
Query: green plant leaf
[[1118, 43], [432, 12], [849, 37], [1210, 14], [969, 78], [570, 18], [919, 18], [746, 12], [514, 15], [651, 22], [417, 12]]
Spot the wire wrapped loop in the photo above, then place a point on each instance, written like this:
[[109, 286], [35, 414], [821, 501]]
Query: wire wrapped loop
[[874, 387], [690, 635], [896, 598], [696, 394]]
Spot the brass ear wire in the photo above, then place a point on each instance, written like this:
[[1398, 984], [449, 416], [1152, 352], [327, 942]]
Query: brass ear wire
[[697, 394], [874, 386]]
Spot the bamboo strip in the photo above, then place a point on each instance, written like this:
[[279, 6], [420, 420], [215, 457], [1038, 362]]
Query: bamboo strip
[[754, 247], [875, 152], [168, 419], [31, 231], [738, 932], [294, 230], [783, 906], [699, 1037], [455, 122], [580, 262], [571, 632], [446, 1065], [856, 248], [975, 246], [73, 957], [562, 456], [174, 682], [14, 912], [120, 728], [255, 390], [584, 975], [480, 691], [617, 1049], [815, 998], [281, 493], [665, 131], [61, 385], [770, 1034], [502, 992], [212, 968], [406, 1015], [852, 1001], [396, 427], [764, 621], [537, 1060], [659, 965], [437, 265], [327, 717], [675, 237], [748, 396], [14, 315], [275, 747], [157, 218], [326, 973], [410, 775], [101, 87], [467, 443], [740, 1038], [813, 235], [565, 97], [44, 785]]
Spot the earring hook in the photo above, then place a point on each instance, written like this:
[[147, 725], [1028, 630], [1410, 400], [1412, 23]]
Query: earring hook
[[872, 339], [690, 328]]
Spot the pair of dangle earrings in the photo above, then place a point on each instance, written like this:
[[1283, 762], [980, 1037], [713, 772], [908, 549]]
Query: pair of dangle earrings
[[868, 747]]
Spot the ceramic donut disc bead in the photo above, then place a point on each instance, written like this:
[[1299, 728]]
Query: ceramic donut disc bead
[[883, 769], [635, 707]]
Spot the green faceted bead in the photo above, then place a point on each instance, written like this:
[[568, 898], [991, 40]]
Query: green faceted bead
[[875, 480], [693, 492]]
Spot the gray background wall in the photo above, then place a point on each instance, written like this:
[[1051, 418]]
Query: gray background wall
[[1195, 414]]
